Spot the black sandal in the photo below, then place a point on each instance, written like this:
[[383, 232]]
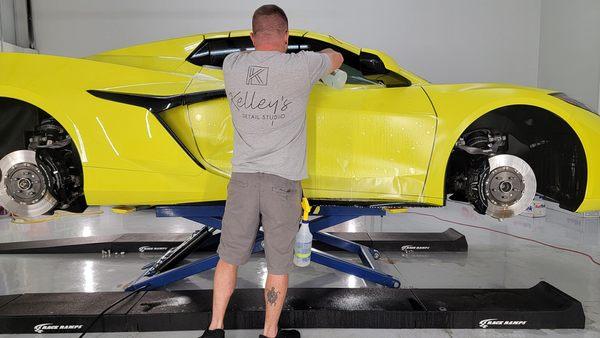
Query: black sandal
[[216, 333], [285, 334]]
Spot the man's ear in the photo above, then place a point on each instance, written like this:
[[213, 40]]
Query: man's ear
[[252, 38]]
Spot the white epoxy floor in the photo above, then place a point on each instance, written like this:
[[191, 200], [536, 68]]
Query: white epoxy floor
[[494, 260]]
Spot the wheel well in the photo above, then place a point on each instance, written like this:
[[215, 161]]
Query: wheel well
[[18, 118], [20, 121], [546, 142]]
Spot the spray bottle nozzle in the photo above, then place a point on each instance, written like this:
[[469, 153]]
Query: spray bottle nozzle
[[306, 208]]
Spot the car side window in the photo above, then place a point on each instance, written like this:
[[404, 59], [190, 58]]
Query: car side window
[[365, 68], [212, 52], [351, 63]]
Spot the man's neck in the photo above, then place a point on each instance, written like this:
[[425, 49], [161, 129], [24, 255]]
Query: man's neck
[[269, 49]]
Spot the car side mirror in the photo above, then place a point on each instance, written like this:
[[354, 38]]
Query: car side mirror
[[371, 64]]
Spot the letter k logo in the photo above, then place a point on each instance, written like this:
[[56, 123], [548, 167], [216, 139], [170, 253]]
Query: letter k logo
[[257, 76]]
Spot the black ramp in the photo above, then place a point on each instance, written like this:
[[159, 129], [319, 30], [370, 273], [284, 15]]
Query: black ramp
[[359, 237], [135, 242], [61, 245], [376, 308], [542, 306], [7, 299], [449, 240], [148, 242], [63, 312], [304, 308], [186, 310]]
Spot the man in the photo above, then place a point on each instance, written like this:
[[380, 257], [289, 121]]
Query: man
[[268, 92]]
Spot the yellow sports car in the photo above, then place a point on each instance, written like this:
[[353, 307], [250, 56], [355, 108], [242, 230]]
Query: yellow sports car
[[150, 125]]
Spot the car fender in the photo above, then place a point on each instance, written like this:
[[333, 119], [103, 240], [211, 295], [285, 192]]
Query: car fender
[[458, 106]]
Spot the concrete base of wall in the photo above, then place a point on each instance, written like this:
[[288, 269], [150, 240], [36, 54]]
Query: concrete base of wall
[[10, 48]]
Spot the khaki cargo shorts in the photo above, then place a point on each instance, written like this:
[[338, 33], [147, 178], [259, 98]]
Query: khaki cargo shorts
[[261, 199]]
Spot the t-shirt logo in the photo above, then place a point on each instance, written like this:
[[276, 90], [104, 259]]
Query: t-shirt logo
[[257, 76]]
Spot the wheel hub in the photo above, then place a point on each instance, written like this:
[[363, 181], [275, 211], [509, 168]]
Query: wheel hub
[[504, 186], [25, 183]]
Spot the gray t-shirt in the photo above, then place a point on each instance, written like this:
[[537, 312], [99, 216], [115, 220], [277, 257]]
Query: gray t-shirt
[[268, 93]]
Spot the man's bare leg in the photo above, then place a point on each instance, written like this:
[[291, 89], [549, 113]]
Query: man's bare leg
[[275, 292], [224, 284]]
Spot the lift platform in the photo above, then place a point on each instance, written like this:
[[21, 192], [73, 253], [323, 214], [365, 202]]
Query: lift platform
[[166, 270]]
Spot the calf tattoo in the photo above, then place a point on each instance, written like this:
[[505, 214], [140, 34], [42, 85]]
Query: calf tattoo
[[272, 295]]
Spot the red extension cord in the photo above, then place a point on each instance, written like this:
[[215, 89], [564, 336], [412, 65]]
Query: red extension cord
[[511, 235]]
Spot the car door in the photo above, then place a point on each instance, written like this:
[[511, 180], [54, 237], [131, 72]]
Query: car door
[[367, 141]]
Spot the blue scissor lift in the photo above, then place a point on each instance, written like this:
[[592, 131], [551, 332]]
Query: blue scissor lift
[[167, 269]]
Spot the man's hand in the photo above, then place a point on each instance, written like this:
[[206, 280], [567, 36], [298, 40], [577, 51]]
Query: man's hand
[[336, 58]]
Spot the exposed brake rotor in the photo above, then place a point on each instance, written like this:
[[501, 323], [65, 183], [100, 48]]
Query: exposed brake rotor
[[23, 186], [509, 187]]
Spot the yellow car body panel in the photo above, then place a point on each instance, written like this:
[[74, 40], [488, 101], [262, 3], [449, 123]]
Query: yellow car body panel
[[365, 142], [127, 156], [166, 55], [381, 152]]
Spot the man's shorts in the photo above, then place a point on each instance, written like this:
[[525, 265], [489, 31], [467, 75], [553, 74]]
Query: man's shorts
[[271, 201]]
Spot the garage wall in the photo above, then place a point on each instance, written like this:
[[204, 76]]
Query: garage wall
[[443, 41], [570, 49], [14, 26], [7, 21]]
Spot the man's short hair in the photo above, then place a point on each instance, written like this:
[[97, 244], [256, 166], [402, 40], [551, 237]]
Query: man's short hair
[[269, 10]]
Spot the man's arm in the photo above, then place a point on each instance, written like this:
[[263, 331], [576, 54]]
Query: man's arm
[[336, 58]]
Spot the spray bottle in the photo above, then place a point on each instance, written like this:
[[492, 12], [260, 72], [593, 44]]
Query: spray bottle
[[304, 238], [336, 80]]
